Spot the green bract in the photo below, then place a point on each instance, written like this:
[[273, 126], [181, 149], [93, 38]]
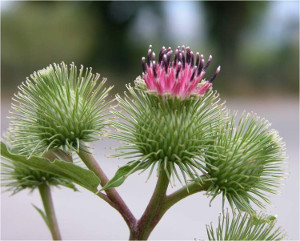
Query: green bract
[[245, 227], [167, 131], [245, 162], [58, 107]]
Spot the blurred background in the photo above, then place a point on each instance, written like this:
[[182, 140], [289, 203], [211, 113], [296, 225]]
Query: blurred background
[[256, 43]]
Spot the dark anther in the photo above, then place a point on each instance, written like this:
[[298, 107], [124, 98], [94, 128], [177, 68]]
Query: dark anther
[[200, 65], [149, 57], [154, 69], [176, 57], [180, 56], [153, 56], [183, 61], [215, 75], [178, 69], [161, 54], [188, 56], [197, 58], [192, 59], [165, 62], [169, 54], [208, 63], [194, 71], [144, 65]]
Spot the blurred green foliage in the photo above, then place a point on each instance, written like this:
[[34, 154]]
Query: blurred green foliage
[[112, 37]]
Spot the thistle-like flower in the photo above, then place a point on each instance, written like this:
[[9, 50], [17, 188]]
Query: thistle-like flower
[[245, 227], [246, 162], [167, 118], [180, 77], [58, 107]]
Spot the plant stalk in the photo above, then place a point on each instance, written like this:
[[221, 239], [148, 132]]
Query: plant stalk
[[149, 219], [45, 193], [112, 194], [182, 193], [157, 207], [160, 204]]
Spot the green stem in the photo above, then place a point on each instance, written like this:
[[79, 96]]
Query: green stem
[[160, 204], [45, 193], [149, 218], [182, 193], [157, 207], [115, 199]]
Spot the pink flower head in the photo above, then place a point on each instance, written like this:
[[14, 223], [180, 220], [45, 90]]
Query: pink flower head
[[179, 77]]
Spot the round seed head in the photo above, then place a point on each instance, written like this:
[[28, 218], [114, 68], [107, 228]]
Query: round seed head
[[246, 162], [165, 130], [58, 107]]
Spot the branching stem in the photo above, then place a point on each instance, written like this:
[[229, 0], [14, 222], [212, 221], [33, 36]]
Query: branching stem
[[160, 203], [115, 199], [157, 207], [182, 193], [149, 218], [45, 193]]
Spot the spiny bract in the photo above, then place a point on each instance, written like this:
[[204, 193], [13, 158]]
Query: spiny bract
[[58, 107], [246, 162], [245, 227], [166, 130]]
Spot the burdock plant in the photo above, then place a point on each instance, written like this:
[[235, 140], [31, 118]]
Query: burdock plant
[[169, 122]]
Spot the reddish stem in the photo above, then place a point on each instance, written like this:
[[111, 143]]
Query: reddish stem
[[112, 193]]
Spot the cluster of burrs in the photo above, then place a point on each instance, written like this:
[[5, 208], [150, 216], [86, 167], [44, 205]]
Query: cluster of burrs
[[180, 77]]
